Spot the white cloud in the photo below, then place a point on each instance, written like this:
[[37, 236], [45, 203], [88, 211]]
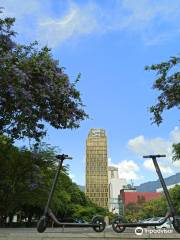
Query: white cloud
[[75, 23], [165, 168], [153, 21], [142, 146], [127, 169], [175, 135]]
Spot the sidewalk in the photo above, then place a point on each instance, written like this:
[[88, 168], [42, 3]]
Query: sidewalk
[[56, 234]]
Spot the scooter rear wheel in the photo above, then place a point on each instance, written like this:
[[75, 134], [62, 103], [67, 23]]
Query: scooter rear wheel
[[115, 225], [176, 224], [177, 229], [101, 223], [42, 224]]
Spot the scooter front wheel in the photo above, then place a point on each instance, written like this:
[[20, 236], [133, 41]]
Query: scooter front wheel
[[116, 225], [98, 220], [42, 224]]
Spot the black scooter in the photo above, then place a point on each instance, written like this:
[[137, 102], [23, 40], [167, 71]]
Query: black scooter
[[119, 225], [98, 224]]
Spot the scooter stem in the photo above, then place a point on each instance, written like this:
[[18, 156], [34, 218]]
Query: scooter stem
[[53, 187], [166, 192]]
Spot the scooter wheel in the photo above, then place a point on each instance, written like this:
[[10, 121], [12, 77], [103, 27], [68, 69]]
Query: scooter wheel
[[177, 228], [99, 220], [116, 225], [176, 224], [42, 224]]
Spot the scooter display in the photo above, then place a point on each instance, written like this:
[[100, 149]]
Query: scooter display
[[119, 225], [97, 223]]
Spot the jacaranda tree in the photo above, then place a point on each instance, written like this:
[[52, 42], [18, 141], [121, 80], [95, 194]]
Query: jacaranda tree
[[34, 89]]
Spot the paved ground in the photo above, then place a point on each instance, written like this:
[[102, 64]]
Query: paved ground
[[77, 234]]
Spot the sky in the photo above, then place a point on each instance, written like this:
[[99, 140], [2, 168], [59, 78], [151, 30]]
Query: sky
[[109, 42]]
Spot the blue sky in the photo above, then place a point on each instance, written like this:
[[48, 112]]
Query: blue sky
[[109, 42]]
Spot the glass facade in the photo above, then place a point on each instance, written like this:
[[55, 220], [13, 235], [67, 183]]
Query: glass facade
[[97, 167]]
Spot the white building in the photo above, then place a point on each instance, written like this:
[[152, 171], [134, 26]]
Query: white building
[[112, 173], [115, 185]]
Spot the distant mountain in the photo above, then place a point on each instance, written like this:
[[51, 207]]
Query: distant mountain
[[153, 185], [82, 188]]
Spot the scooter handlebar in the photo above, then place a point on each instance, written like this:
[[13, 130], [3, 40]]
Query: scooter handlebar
[[154, 156], [63, 157]]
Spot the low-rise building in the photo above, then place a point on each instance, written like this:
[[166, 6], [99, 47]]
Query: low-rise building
[[131, 196]]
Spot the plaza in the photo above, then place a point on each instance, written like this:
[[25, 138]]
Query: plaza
[[76, 233]]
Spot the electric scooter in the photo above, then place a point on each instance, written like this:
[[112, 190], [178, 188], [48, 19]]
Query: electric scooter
[[98, 224], [119, 224]]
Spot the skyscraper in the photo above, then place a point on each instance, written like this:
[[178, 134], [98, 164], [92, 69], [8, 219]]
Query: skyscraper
[[97, 167]]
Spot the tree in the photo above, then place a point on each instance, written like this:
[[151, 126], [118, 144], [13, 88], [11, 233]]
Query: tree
[[34, 89], [15, 178], [26, 178], [176, 151], [168, 83], [153, 208]]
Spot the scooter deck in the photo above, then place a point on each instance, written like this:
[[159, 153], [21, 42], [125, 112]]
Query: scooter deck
[[62, 224], [143, 225]]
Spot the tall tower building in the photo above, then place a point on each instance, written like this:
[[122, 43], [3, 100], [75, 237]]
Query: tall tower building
[[97, 167]]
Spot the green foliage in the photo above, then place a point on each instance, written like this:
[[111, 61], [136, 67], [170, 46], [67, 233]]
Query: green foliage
[[176, 151], [154, 208], [85, 213], [131, 212], [175, 194], [34, 89], [168, 84], [111, 216], [21, 183], [26, 178]]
